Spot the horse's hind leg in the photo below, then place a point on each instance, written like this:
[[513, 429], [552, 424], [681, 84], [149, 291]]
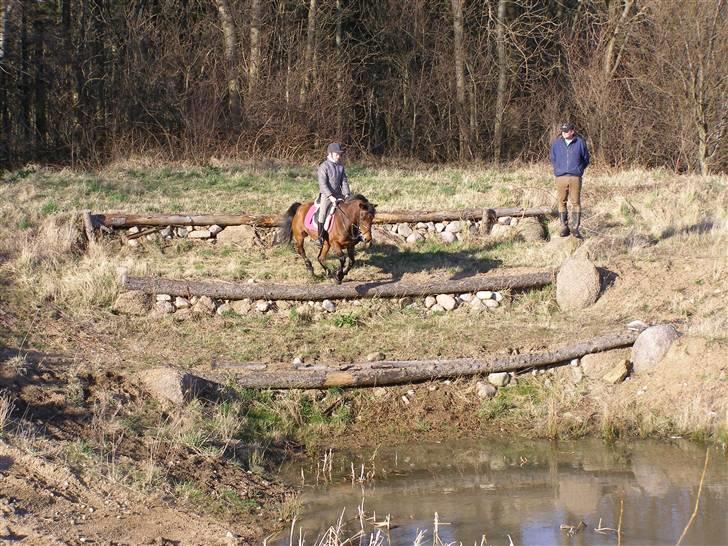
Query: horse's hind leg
[[352, 261], [302, 252]]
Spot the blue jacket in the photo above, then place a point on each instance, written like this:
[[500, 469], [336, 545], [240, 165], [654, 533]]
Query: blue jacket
[[569, 160]]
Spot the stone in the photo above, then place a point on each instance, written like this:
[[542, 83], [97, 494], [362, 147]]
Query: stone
[[164, 307], [513, 222], [224, 308], [262, 306], [439, 227], [577, 374], [181, 303], [328, 306], [466, 297], [595, 365], [215, 229], [283, 305], [375, 357], [618, 373], [133, 243], [241, 307], [297, 361], [167, 232], [499, 379], [204, 306], [491, 304], [430, 226], [453, 227], [415, 238], [133, 230], [430, 301], [182, 232], [448, 237], [199, 234], [237, 236], [484, 294], [163, 297], [485, 390], [476, 305], [133, 303], [531, 230], [501, 230], [446, 301], [421, 225], [404, 302], [497, 296], [437, 308], [504, 220], [176, 387], [651, 345], [577, 284], [404, 230]]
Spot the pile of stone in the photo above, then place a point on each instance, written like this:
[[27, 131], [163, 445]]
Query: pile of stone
[[480, 301]]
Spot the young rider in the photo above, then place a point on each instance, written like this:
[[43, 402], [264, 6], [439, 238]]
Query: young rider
[[333, 185]]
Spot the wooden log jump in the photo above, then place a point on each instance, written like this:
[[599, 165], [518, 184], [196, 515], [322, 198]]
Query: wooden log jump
[[124, 220], [396, 372], [348, 290]]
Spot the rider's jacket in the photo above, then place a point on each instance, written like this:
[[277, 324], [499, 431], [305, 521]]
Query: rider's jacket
[[332, 180]]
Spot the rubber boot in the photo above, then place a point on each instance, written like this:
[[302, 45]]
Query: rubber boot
[[564, 218], [575, 228]]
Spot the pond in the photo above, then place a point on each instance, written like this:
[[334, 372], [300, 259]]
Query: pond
[[519, 491]]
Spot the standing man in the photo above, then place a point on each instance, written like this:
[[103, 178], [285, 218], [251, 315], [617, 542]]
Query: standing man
[[569, 158], [333, 185]]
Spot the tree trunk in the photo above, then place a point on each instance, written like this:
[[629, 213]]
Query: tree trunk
[[254, 63], [39, 85], [4, 96], [309, 51], [230, 42], [123, 220], [350, 290], [610, 62], [396, 372], [339, 83], [459, 51], [500, 100]]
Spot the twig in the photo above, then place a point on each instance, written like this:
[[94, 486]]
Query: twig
[[619, 526], [697, 500]]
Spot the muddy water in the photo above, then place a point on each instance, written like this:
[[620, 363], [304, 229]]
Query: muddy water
[[522, 491]]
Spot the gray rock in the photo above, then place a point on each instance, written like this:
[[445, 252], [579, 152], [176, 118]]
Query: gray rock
[[375, 357], [404, 230], [491, 304], [182, 232], [437, 308], [283, 305], [476, 305], [501, 231], [297, 361], [466, 297], [328, 306], [237, 236], [181, 303], [453, 227], [241, 307], [133, 303], [484, 294], [164, 307], [439, 227], [163, 297], [448, 237], [132, 230], [430, 226], [224, 308], [430, 301], [499, 379], [421, 225], [199, 234], [172, 386], [167, 232], [513, 222], [577, 284], [446, 301], [651, 345], [262, 306], [504, 220], [485, 390], [497, 296], [531, 230], [595, 365], [215, 229], [577, 374], [204, 306], [133, 243], [415, 238]]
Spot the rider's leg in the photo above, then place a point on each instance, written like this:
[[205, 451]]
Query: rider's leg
[[322, 212]]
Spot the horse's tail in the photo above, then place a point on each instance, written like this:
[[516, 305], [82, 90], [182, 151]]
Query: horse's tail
[[285, 232]]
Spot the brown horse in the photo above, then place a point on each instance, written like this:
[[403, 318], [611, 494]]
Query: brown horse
[[352, 222]]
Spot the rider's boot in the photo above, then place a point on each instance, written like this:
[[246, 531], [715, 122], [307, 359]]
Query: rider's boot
[[320, 240], [564, 218], [575, 228]]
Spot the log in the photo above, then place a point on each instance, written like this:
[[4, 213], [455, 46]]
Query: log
[[397, 372], [125, 220], [348, 290]]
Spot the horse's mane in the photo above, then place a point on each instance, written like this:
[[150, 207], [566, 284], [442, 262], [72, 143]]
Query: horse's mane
[[370, 208]]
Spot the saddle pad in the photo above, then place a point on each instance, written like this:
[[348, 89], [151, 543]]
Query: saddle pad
[[311, 220]]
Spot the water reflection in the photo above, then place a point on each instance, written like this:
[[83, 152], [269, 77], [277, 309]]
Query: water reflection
[[525, 490]]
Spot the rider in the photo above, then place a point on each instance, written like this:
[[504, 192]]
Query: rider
[[333, 185]]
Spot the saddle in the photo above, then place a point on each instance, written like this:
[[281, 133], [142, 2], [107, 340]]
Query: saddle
[[311, 220]]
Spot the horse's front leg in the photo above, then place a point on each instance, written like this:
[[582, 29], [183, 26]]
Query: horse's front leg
[[352, 261], [322, 257]]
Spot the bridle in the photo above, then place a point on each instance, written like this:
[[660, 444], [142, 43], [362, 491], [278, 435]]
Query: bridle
[[353, 224]]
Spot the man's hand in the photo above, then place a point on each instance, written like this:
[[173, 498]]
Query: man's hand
[[332, 199]]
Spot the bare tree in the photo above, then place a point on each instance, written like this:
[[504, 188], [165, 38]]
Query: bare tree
[[254, 61], [230, 42], [502, 80], [459, 51], [308, 56]]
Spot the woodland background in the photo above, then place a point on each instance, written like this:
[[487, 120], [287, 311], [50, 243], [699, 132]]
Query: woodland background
[[91, 81]]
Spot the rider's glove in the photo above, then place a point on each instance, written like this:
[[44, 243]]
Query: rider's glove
[[332, 199]]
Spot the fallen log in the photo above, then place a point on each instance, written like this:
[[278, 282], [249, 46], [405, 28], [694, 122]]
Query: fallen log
[[124, 220], [397, 372], [348, 290]]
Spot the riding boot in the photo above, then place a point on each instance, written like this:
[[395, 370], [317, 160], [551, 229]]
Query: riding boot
[[564, 218], [575, 228], [320, 240]]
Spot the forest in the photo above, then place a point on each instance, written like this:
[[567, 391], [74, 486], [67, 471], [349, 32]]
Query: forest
[[85, 82]]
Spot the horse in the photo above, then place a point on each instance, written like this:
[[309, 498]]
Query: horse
[[351, 223]]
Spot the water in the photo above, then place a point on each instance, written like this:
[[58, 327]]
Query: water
[[522, 491]]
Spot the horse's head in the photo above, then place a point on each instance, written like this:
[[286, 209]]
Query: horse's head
[[366, 212]]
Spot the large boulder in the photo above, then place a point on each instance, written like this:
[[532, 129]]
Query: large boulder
[[133, 303], [530, 229], [651, 346], [237, 236], [176, 387], [596, 365], [577, 284]]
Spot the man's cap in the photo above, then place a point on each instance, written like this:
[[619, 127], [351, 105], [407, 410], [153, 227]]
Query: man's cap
[[568, 126], [334, 148]]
